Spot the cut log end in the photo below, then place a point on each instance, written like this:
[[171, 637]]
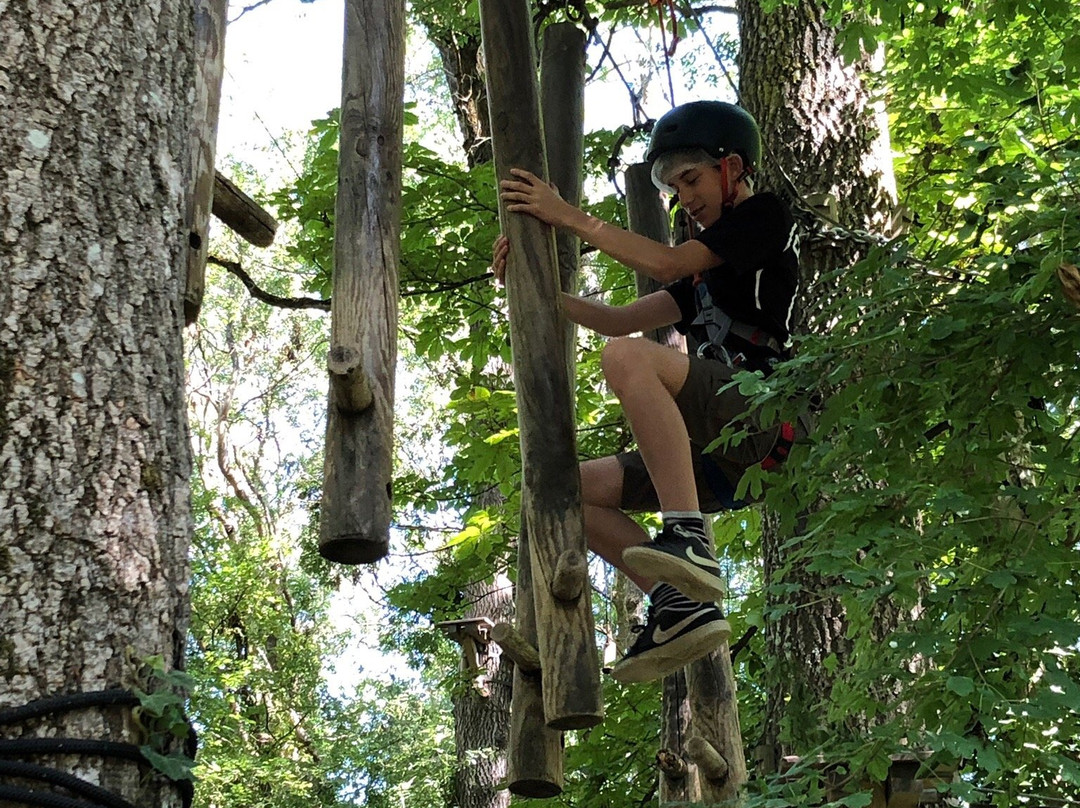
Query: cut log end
[[582, 720], [571, 574], [535, 789], [354, 549], [671, 764], [711, 764]]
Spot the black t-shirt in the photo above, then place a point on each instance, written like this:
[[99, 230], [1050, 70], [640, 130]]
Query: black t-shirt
[[759, 278]]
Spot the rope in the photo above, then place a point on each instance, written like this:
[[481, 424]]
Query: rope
[[23, 747]]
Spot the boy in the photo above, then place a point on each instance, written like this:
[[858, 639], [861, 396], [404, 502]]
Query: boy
[[733, 289]]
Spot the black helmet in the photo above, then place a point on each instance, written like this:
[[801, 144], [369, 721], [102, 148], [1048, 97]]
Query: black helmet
[[715, 126]]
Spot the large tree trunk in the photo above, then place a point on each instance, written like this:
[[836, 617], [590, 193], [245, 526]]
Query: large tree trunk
[[821, 129], [482, 712], [94, 457]]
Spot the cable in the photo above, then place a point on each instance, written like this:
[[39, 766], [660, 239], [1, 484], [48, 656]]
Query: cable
[[23, 747]]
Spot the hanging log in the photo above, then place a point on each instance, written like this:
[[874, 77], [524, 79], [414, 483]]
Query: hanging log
[[242, 214], [534, 757], [647, 215], [363, 332], [562, 101], [551, 490], [210, 66]]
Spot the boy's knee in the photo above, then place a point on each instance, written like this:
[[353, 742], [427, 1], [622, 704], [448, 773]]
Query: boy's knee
[[620, 357], [601, 482]]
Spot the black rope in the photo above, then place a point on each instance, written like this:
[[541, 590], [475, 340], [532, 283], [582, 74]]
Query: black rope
[[614, 159], [32, 771], [117, 697], [24, 747]]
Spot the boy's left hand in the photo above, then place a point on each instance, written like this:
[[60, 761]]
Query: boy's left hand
[[530, 194]]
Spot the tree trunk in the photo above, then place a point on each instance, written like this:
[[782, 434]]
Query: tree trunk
[[822, 130], [94, 457], [482, 716]]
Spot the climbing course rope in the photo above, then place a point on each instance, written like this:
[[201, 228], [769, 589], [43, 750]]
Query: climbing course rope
[[33, 747]]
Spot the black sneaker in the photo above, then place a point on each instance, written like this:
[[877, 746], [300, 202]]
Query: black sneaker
[[681, 557], [678, 631]]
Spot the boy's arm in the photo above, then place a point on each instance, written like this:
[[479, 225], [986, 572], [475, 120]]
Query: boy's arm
[[529, 194], [655, 310]]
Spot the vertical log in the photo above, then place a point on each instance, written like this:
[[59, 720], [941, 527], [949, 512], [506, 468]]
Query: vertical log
[[210, 66], [534, 757], [551, 482], [562, 100], [363, 333], [714, 708], [647, 215]]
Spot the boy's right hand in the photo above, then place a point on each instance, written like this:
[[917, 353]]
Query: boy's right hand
[[499, 251]]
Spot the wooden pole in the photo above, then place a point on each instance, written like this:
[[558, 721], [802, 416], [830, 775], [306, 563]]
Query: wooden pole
[[551, 481], [363, 333], [210, 67], [534, 757]]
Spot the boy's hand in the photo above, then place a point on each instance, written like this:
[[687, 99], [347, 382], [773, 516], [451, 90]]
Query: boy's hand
[[530, 194], [499, 250]]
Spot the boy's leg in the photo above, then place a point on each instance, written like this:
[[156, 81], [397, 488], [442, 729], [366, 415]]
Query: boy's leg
[[646, 377], [608, 530], [679, 629]]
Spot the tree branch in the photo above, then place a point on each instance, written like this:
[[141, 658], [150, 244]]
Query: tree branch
[[234, 268]]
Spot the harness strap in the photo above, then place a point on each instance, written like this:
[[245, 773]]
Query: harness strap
[[719, 324], [782, 448]]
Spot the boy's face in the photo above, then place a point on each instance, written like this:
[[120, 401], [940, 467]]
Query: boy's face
[[701, 192]]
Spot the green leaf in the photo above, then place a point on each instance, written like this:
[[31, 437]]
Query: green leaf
[[960, 685]]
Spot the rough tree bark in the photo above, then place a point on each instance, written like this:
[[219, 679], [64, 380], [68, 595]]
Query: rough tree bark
[[821, 127], [94, 458], [482, 718]]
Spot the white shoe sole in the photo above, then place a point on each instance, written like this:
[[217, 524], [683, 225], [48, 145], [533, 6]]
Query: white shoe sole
[[660, 566], [676, 654]]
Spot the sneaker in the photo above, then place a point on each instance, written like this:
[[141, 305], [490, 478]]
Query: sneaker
[[678, 631], [680, 557]]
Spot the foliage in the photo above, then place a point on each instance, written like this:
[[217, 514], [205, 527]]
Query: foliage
[[947, 456]]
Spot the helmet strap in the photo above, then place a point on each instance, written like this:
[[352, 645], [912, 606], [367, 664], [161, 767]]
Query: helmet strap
[[727, 199]]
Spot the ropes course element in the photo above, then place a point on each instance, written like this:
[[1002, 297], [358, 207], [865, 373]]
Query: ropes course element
[[669, 50], [34, 746]]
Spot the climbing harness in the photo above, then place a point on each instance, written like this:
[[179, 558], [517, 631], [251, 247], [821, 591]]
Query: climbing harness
[[719, 325], [782, 448]]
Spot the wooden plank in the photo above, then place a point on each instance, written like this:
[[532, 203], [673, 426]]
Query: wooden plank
[[551, 489], [357, 472], [210, 67], [242, 214]]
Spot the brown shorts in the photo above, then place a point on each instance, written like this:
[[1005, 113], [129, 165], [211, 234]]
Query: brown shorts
[[706, 412]]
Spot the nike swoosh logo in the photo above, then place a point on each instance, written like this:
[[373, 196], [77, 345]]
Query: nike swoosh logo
[[661, 636], [700, 560]]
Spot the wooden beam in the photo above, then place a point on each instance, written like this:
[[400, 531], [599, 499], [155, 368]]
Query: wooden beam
[[357, 472], [551, 490], [242, 214], [210, 67]]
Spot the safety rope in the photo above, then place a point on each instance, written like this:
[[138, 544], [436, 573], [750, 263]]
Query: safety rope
[[35, 746]]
